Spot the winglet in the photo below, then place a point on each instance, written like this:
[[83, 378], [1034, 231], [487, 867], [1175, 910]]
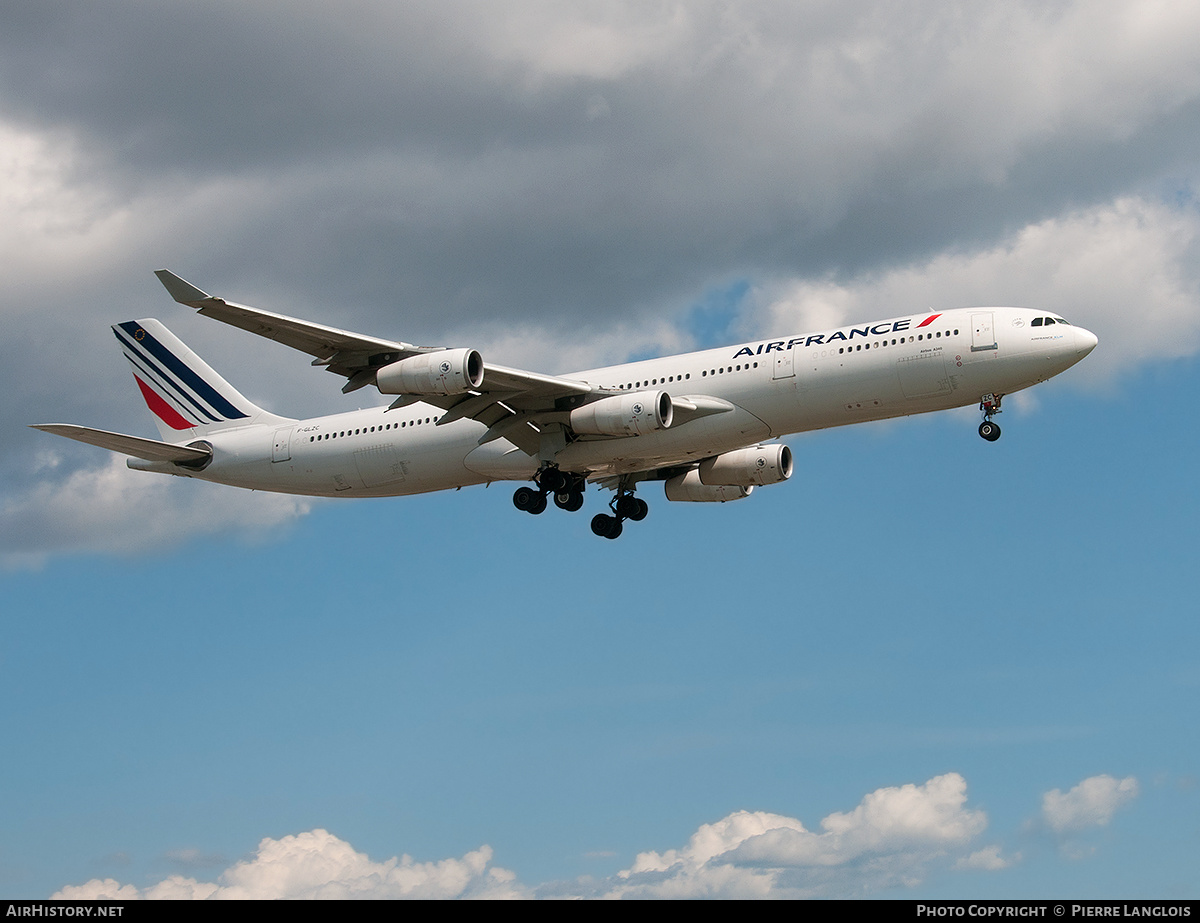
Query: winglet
[[181, 291]]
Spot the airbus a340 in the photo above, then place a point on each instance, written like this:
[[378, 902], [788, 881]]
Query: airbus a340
[[703, 423]]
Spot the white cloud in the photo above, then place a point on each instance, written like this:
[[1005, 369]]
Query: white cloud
[[988, 859], [565, 351], [116, 509], [890, 839], [319, 865], [1091, 803], [1126, 270], [894, 838]]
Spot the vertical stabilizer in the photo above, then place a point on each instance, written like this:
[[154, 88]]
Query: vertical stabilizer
[[187, 398]]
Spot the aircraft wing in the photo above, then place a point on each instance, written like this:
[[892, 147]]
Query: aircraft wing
[[346, 353], [508, 400], [340, 351]]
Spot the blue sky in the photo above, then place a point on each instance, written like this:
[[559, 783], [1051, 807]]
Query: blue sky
[[399, 672], [975, 663]]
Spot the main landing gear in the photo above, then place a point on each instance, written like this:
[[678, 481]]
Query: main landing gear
[[566, 488], [990, 405], [624, 506]]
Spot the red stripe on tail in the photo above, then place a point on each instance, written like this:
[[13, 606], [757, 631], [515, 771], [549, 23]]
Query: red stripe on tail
[[161, 408]]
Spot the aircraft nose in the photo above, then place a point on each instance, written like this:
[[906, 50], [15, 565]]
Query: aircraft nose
[[1085, 341]]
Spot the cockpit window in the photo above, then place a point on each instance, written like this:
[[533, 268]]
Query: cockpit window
[[1036, 322], [1059, 320]]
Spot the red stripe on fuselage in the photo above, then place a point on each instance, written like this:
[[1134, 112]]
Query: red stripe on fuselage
[[929, 320], [161, 408]]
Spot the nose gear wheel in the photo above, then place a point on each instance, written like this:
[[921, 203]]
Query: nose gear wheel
[[990, 405]]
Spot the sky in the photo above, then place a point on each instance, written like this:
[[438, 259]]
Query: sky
[[925, 667]]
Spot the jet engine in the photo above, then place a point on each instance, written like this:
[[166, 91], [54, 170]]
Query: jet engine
[[758, 465], [688, 488], [624, 414], [448, 371]]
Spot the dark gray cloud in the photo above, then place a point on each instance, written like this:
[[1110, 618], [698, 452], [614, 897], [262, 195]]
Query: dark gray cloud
[[534, 170], [430, 159]]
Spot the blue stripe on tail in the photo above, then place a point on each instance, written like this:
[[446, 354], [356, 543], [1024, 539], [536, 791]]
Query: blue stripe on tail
[[148, 344]]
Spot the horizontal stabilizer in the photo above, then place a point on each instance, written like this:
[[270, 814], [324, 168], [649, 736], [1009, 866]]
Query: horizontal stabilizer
[[149, 449]]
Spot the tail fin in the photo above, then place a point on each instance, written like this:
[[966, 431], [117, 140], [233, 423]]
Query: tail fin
[[186, 396]]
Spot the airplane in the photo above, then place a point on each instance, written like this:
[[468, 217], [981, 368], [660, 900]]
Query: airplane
[[704, 423]]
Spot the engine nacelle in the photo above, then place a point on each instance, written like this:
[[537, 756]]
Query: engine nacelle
[[448, 371], [758, 465], [689, 489], [624, 414]]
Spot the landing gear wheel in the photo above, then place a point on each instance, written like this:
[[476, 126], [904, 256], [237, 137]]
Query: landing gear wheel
[[571, 501], [627, 506], [529, 500], [606, 526], [641, 508], [990, 405], [552, 480]]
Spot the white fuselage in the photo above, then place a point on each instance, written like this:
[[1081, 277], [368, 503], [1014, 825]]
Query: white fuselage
[[853, 374]]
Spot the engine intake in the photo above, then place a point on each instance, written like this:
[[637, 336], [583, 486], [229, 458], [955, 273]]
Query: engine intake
[[448, 371], [624, 414]]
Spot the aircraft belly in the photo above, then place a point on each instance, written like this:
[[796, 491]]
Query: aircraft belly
[[688, 442], [431, 461], [375, 465], [380, 464], [500, 460]]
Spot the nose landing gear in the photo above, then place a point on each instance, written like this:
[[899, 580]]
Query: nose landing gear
[[990, 405]]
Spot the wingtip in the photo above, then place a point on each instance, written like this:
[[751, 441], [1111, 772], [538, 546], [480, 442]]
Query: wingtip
[[182, 291]]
